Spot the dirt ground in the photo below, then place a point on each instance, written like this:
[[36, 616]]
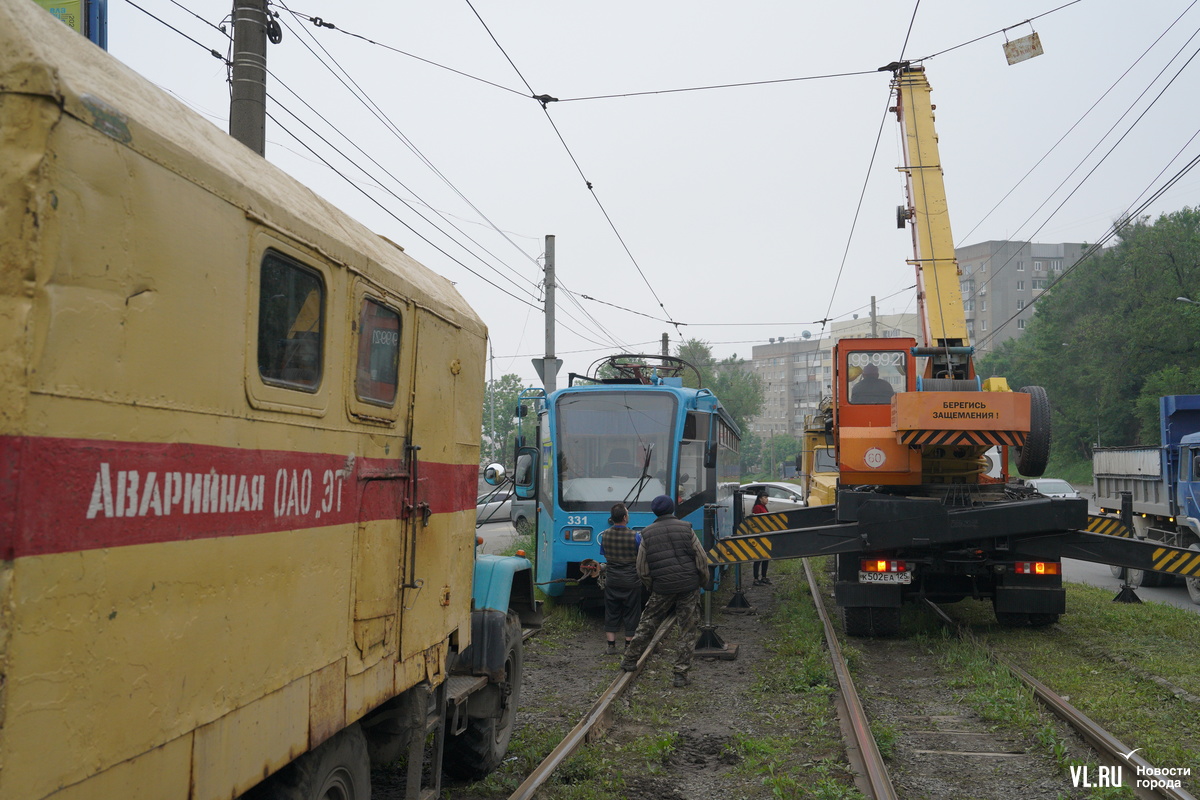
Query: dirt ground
[[723, 736]]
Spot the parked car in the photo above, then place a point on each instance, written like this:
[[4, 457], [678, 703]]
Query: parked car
[[493, 506], [780, 496], [523, 514], [1052, 487]]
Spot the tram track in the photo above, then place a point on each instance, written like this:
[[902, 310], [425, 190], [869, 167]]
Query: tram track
[[593, 724], [951, 745], [638, 738]]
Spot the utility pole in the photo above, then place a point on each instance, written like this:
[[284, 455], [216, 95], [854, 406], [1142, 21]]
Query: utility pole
[[874, 327], [248, 93], [666, 345], [492, 397], [550, 363]]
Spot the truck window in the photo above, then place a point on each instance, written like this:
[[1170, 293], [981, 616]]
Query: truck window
[[378, 354], [291, 310], [874, 376]]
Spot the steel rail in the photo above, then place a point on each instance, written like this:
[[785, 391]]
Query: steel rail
[[878, 781], [1099, 738], [594, 723]]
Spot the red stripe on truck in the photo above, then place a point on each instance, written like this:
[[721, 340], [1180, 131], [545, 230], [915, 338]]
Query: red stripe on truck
[[66, 495]]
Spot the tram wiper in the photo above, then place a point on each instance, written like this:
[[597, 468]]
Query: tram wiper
[[644, 478]]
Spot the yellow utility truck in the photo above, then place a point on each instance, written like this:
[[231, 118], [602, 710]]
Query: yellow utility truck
[[239, 447]]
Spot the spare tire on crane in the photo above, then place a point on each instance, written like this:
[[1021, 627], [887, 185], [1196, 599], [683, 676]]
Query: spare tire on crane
[[1033, 457]]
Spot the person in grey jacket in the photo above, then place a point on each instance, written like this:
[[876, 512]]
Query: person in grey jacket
[[673, 565]]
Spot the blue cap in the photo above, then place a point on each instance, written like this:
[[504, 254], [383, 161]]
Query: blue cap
[[662, 505]]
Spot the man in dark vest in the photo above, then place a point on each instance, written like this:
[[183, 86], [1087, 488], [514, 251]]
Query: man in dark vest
[[672, 564]]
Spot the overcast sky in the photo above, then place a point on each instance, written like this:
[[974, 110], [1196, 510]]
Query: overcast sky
[[736, 210]]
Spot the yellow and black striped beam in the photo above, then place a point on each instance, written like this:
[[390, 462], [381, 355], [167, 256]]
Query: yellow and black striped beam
[[731, 551], [1109, 526], [1176, 561], [764, 523], [988, 438]]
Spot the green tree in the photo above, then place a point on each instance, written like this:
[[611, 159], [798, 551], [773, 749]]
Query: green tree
[[739, 389], [779, 451], [499, 429], [698, 353], [1110, 332]]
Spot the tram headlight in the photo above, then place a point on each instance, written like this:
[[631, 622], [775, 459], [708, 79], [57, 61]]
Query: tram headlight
[[577, 534]]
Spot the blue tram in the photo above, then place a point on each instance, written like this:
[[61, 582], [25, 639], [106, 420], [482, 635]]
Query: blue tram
[[625, 438]]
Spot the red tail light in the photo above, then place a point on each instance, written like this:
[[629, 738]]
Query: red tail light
[[1038, 568], [883, 565]]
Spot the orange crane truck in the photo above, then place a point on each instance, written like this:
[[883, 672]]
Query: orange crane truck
[[916, 514]]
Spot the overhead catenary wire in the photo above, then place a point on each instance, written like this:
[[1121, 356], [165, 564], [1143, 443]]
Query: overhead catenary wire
[[578, 168], [995, 33], [215, 54], [544, 99], [1096, 166], [377, 202], [1127, 219], [382, 117], [867, 179], [668, 321], [376, 111], [1079, 121], [323, 23]]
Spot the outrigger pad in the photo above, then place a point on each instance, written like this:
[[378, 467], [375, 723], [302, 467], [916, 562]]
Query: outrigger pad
[[1127, 595], [738, 604], [711, 645]]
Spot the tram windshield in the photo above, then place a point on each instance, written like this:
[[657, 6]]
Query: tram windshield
[[614, 447]]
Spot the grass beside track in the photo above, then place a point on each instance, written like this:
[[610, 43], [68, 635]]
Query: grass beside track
[[1105, 658], [1134, 669]]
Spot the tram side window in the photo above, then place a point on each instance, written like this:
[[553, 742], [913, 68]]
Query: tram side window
[[378, 354], [291, 310]]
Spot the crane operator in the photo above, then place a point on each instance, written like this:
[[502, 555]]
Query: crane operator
[[871, 388]]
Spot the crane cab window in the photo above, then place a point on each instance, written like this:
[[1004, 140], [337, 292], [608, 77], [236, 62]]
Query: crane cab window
[[291, 311], [378, 354], [874, 376]]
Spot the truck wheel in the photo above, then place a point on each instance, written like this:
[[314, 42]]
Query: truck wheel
[[479, 749], [1133, 577], [339, 769], [1033, 457], [1193, 584]]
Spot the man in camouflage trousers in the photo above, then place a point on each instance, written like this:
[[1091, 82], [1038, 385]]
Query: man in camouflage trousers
[[672, 564]]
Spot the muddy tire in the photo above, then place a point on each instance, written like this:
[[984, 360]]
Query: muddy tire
[[1033, 457], [339, 769], [1193, 584], [479, 749]]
